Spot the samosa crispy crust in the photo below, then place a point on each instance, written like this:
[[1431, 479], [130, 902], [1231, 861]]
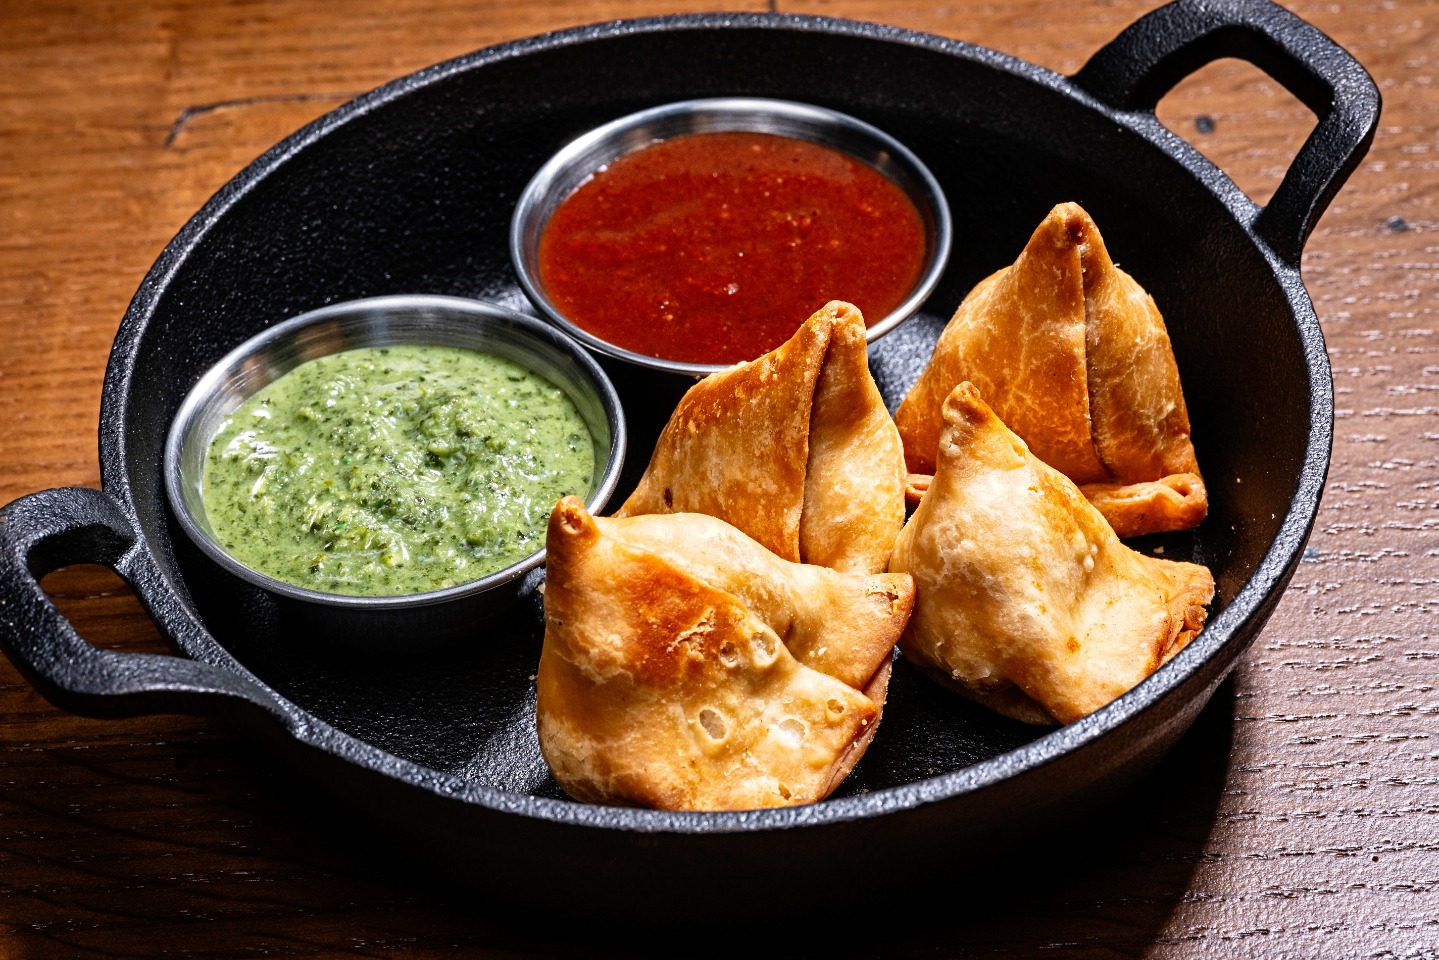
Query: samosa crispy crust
[[660, 687], [1076, 360], [1175, 502], [843, 625], [1025, 597], [795, 449]]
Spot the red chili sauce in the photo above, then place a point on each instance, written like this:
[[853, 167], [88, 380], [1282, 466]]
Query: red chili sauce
[[715, 247]]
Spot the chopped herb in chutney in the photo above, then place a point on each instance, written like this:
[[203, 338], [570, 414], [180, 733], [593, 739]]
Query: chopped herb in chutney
[[392, 470]]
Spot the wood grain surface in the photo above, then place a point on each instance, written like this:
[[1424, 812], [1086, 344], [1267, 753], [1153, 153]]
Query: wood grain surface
[[1300, 818]]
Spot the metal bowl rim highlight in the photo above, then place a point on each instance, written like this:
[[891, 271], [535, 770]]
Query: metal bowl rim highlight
[[461, 316], [583, 157]]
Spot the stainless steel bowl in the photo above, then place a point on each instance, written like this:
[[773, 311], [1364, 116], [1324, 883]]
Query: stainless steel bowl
[[410, 623], [577, 162]]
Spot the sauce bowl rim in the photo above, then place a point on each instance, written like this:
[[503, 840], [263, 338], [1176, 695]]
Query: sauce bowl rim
[[555, 181], [471, 312]]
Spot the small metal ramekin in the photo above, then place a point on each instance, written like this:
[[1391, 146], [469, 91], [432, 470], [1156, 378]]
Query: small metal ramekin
[[408, 623], [583, 157]]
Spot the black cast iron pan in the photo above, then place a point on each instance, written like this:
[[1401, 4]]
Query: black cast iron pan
[[409, 190]]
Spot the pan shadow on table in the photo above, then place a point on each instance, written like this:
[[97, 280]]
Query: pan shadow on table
[[1104, 886]]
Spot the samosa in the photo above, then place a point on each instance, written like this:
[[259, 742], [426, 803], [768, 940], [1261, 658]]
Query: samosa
[[684, 667], [795, 448], [1025, 598], [1074, 357], [844, 625]]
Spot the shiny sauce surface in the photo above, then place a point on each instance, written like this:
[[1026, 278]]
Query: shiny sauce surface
[[715, 247]]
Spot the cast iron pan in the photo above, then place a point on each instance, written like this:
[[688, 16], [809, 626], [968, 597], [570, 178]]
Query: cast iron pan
[[409, 190]]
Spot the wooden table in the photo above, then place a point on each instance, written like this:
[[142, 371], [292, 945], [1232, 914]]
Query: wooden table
[[1300, 818]]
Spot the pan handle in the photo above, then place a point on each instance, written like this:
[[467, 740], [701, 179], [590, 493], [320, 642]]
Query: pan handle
[[1138, 67], [48, 530]]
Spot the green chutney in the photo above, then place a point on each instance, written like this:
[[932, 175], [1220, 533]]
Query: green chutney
[[393, 470]]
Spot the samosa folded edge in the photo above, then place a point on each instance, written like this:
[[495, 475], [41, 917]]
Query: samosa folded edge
[[668, 682], [1025, 597], [1074, 357]]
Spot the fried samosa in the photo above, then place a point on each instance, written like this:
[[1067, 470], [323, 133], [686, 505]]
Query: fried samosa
[[1025, 598], [843, 625], [666, 680], [1075, 358], [795, 449]]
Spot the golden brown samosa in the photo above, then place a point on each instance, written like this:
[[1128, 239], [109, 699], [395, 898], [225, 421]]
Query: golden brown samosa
[[795, 449], [665, 679], [843, 625], [1025, 597], [1075, 358]]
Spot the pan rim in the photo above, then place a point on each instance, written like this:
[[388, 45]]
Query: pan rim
[[1258, 593]]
